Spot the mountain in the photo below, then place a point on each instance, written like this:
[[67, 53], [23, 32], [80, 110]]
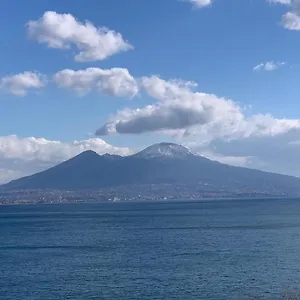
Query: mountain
[[164, 163]]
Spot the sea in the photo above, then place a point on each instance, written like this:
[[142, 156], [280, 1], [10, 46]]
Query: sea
[[211, 249]]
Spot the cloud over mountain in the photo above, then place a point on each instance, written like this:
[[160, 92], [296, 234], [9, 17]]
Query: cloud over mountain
[[188, 113], [23, 156]]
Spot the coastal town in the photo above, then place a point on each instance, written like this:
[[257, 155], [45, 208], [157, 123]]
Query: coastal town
[[160, 192]]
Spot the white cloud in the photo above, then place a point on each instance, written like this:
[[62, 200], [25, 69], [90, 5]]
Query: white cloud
[[278, 153], [286, 2], [185, 113], [291, 21], [62, 31], [31, 148], [19, 84], [7, 175], [268, 66], [166, 90], [24, 156], [296, 142], [239, 161], [116, 81], [200, 3]]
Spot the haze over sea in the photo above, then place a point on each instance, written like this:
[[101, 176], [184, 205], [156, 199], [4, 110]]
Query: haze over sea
[[218, 249]]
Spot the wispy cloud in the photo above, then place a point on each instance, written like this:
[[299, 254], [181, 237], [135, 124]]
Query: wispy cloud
[[199, 3], [268, 66], [286, 2]]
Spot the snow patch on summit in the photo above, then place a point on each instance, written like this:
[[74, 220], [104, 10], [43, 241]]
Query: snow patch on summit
[[169, 150]]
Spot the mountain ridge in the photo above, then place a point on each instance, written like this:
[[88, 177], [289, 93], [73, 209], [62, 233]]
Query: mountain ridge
[[164, 163]]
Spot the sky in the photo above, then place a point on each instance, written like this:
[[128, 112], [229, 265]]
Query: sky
[[218, 76]]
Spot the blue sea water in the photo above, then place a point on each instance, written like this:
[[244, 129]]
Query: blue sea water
[[218, 249]]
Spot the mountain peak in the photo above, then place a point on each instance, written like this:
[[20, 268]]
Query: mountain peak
[[169, 150], [88, 154]]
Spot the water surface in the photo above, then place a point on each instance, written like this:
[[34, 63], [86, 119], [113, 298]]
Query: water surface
[[227, 249]]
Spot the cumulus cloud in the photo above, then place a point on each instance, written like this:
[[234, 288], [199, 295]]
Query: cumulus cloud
[[291, 19], [268, 66], [156, 118], [24, 156], [19, 84], [199, 3], [115, 81], [166, 89], [62, 31], [183, 112], [31, 148]]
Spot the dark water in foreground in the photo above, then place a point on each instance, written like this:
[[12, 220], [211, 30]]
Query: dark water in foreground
[[204, 250]]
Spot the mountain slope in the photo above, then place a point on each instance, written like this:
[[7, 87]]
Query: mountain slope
[[157, 164]]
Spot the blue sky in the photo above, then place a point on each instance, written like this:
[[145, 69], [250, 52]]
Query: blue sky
[[162, 45]]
